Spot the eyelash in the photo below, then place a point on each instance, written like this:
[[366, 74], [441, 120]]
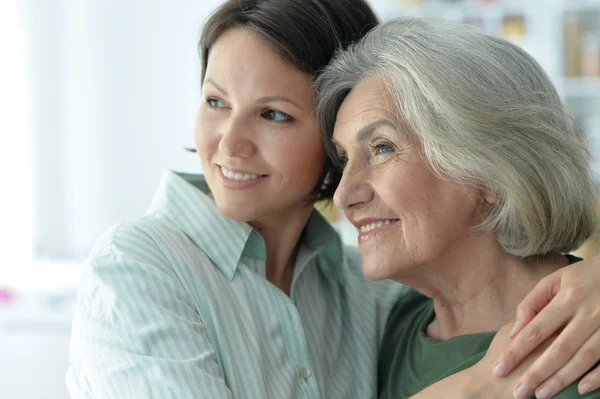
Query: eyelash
[[342, 160], [269, 114], [377, 147], [211, 102], [285, 117]]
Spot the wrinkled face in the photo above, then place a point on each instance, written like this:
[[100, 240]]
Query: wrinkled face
[[257, 134], [408, 217]]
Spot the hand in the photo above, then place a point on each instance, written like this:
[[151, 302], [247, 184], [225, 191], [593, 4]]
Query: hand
[[566, 302], [477, 382], [486, 385]]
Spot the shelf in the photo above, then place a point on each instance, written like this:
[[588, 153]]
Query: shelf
[[453, 10], [580, 5]]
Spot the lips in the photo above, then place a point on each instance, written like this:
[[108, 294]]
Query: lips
[[238, 179], [365, 225], [239, 176], [365, 228]]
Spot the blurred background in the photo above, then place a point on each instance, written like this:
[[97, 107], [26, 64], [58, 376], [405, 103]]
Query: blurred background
[[97, 98]]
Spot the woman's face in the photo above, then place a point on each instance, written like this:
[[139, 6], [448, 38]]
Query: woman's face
[[256, 131], [408, 217]]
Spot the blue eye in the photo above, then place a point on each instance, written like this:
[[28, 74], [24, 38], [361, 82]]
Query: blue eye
[[215, 103], [276, 116], [382, 149]]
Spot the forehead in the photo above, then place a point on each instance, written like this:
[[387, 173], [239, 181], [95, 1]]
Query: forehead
[[240, 57], [369, 101]]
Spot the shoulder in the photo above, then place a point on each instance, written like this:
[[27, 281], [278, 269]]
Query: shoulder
[[152, 244], [131, 268], [145, 239]]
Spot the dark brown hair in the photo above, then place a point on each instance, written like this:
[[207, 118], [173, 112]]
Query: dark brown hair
[[306, 33]]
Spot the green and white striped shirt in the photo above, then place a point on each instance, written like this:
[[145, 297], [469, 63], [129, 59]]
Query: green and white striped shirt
[[175, 304]]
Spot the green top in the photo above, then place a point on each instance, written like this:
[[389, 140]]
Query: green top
[[410, 361]]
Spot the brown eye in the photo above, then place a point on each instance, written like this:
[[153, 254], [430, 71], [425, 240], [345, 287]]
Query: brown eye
[[276, 116]]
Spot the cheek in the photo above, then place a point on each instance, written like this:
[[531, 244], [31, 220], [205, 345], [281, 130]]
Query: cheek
[[205, 135], [298, 157]]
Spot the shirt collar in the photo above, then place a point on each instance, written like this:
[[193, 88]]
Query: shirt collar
[[183, 198]]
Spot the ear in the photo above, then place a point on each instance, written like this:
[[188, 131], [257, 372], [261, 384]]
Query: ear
[[491, 196]]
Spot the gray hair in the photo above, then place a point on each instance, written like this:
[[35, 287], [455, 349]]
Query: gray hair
[[483, 111]]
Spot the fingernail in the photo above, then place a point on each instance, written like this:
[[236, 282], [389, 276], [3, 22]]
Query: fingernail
[[584, 388], [499, 369], [515, 328], [544, 393], [522, 392]]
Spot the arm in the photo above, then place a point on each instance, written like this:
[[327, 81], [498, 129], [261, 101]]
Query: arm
[[136, 334]]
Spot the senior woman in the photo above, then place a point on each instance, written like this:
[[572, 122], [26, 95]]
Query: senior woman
[[467, 180], [231, 285]]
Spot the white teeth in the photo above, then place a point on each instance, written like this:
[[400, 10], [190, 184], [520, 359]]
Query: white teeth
[[372, 226], [237, 176]]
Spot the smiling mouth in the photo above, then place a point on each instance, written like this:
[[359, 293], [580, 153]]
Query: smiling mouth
[[375, 225], [239, 176]]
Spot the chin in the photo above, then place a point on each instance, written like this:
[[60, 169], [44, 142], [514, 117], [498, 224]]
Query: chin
[[374, 271], [377, 268], [238, 212]]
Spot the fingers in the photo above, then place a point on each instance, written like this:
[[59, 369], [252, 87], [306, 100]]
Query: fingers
[[583, 360], [567, 358], [590, 382], [546, 323], [536, 300]]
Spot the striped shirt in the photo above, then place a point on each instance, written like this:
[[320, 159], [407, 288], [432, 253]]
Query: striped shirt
[[176, 304]]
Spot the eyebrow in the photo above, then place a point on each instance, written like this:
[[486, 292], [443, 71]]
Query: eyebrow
[[212, 82], [269, 99], [263, 100], [367, 130]]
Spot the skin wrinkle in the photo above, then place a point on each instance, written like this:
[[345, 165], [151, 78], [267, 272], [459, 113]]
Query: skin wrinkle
[[434, 246]]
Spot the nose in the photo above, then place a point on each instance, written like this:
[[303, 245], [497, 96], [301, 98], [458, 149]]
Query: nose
[[237, 139], [354, 191]]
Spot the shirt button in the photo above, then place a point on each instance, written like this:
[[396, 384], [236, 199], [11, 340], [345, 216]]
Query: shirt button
[[305, 373]]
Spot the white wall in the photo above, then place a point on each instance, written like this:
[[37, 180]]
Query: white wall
[[115, 87], [15, 157]]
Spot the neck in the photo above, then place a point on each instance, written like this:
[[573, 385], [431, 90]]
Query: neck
[[282, 241], [478, 290]]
